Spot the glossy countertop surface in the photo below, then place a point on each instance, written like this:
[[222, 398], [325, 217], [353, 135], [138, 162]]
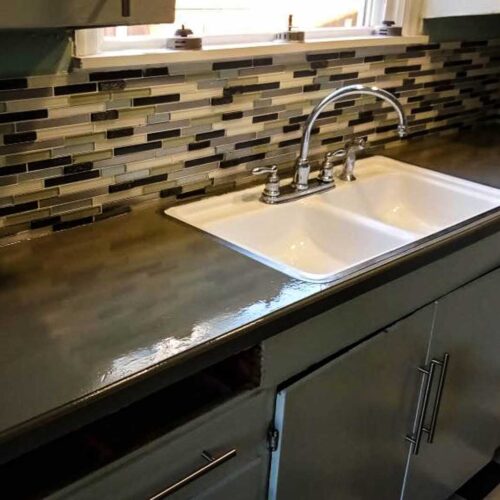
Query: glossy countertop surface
[[86, 309]]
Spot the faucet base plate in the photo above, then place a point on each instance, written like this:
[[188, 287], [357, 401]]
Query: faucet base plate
[[290, 193]]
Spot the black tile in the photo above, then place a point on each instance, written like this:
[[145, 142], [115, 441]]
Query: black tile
[[332, 140], [369, 59], [14, 83], [348, 54], [448, 64], [291, 128], [319, 64], [244, 159], [54, 162], [402, 69], [217, 101], [312, 87], [191, 194], [115, 75], [112, 85], [21, 207], [422, 109], [165, 193], [263, 61], [164, 134], [265, 118], [304, 72], [386, 128], [419, 48], [254, 142], [67, 179], [198, 145], [80, 88], [23, 116], [359, 121], [202, 161], [101, 116], [256, 87], [158, 99], [137, 183], [14, 95], [345, 76], [232, 116], [210, 135], [297, 119], [322, 57], [113, 211], [162, 71], [243, 63], [137, 148], [116, 133], [329, 114], [481, 43], [60, 226], [344, 104], [77, 168], [48, 221], [13, 169], [289, 142], [19, 138]]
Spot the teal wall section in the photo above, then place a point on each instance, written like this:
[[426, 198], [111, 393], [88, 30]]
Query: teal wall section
[[37, 52], [446, 29]]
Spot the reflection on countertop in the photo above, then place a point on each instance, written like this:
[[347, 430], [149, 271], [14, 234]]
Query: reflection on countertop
[[89, 307]]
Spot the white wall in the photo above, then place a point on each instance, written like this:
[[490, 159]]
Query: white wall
[[444, 8]]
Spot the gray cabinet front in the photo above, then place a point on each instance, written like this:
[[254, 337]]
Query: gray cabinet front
[[467, 431], [342, 427], [83, 13]]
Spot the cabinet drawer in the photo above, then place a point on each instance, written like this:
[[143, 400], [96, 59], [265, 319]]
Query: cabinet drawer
[[239, 425]]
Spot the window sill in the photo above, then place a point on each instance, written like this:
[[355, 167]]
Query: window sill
[[127, 58]]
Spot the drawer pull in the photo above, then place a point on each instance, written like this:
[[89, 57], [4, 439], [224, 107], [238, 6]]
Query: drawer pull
[[212, 464]]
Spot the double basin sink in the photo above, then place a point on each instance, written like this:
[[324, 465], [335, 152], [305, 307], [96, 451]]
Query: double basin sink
[[392, 209]]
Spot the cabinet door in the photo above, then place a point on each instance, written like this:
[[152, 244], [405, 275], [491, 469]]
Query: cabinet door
[[83, 13], [342, 427], [468, 422]]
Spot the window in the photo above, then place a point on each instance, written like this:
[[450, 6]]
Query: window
[[246, 21]]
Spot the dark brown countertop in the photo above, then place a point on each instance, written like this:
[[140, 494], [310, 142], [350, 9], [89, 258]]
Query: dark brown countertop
[[92, 310]]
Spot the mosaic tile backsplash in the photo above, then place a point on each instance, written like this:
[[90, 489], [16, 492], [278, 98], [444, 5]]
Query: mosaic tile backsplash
[[82, 147]]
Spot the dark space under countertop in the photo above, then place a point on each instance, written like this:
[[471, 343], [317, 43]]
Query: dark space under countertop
[[92, 311]]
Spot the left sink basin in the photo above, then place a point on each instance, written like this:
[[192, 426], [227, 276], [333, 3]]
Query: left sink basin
[[357, 225]]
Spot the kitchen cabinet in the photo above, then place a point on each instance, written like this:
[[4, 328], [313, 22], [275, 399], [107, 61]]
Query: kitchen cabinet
[[342, 427], [413, 412], [83, 13], [467, 327], [448, 8]]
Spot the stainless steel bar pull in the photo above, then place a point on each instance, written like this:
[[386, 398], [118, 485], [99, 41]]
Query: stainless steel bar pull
[[212, 464], [431, 430], [416, 438], [126, 8]]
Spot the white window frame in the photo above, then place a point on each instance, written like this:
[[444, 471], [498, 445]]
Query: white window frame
[[89, 42]]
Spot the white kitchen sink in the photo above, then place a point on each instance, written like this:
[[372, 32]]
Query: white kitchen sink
[[392, 206]]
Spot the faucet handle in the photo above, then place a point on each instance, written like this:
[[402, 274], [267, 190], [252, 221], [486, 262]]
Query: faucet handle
[[272, 187], [326, 172], [357, 143]]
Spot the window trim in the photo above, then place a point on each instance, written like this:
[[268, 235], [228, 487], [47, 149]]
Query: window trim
[[91, 42]]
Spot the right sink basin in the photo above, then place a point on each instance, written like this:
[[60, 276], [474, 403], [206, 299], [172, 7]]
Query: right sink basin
[[410, 198]]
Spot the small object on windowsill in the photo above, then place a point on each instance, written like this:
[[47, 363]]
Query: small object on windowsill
[[292, 35], [388, 28], [184, 40]]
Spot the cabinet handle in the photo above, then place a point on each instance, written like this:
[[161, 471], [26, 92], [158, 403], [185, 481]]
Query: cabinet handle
[[416, 438], [430, 431], [212, 464], [126, 8]]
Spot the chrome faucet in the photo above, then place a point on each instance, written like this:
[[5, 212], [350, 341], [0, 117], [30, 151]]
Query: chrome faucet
[[302, 185]]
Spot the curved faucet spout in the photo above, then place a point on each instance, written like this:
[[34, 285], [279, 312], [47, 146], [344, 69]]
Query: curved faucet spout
[[302, 167]]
